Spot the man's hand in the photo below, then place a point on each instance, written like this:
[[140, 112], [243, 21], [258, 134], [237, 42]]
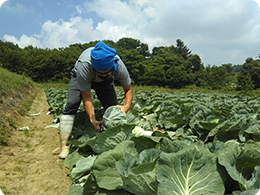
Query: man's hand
[[97, 125], [123, 108], [89, 107]]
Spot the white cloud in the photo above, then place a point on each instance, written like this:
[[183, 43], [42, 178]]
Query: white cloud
[[63, 33], [118, 13], [220, 32], [258, 2], [1, 2], [17, 8], [79, 9], [59, 34], [24, 40]]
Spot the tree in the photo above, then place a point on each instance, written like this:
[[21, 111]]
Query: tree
[[128, 43], [245, 83], [182, 49], [144, 50], [177, 77], [228, 67], [9, 56], [250, 67], [172, 66], [157, 50], [196, 63], [166, 57], [200, 78], [134, 62], [217, 77], [154, 76], [237, 68]]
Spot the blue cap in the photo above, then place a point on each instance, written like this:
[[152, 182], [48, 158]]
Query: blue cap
[[103, 57]]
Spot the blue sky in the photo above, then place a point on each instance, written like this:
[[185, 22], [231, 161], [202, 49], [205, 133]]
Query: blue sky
[[219, 31]]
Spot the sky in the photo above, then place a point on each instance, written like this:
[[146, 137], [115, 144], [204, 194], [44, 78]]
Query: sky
[[219, 31]]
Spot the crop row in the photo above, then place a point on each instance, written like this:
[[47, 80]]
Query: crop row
[[201, 143]]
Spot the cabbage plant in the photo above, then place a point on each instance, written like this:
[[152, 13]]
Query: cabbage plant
[[199, 143]]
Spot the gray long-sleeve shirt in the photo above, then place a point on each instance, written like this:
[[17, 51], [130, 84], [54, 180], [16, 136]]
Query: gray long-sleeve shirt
[[86, 74]]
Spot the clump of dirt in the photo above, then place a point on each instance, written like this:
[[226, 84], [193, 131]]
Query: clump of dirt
[[27, 164]]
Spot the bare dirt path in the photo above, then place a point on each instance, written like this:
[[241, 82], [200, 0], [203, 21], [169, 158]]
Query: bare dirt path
[[27, 166]]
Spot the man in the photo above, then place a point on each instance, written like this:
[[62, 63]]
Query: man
[[95, 69]]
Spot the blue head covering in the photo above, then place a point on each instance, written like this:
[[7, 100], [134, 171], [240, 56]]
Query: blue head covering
[[103, 57]]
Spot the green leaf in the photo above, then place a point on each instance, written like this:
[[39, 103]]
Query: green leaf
[[214, 147], [240, 163], [109, 165], [142, 143], [72, 159], [133, 117], [254, 129], [142, 179], [247, 192], [254, 182], [75, 189], [125, 164], [82, 166], [210, 124], [113, 116], [170, 146], [83, 141], [149, 155], [91, 187], [82, 129], [192, 170], [109, 139], [151, 121]]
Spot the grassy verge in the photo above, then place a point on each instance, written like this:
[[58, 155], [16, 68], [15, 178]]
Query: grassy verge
[[52, 85], [191, 88], [16, 95], [194, 88]]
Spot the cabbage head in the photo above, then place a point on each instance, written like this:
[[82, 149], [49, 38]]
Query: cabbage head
[[113, 116]]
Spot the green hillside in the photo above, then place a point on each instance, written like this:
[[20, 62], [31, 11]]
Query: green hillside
[[16, 94]]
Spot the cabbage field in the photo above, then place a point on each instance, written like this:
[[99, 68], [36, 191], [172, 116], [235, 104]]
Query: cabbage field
[[201, 143]]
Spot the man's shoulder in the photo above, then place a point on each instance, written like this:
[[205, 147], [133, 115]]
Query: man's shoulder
[[85, 55]]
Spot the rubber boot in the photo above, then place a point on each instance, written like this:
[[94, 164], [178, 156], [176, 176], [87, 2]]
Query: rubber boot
[[66, 125]]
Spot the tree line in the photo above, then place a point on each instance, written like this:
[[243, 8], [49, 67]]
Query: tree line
[[172, 66]]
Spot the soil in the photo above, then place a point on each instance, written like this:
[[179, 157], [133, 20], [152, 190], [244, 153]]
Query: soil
[[27, 165]]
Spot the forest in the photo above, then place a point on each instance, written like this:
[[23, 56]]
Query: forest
[[173, 67]]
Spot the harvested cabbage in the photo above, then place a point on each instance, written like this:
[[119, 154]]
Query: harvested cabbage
[[138, 131], [113, 117]]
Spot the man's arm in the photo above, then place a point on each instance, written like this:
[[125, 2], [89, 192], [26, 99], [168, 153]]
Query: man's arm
[[128, 99], [89, 107]]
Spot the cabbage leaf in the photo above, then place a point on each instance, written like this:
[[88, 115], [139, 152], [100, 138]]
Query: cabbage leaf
[[192, 170]]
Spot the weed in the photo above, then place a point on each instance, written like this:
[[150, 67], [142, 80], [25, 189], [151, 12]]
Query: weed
[[18, 169], [4, 190], [28, 145], [27, 133]]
